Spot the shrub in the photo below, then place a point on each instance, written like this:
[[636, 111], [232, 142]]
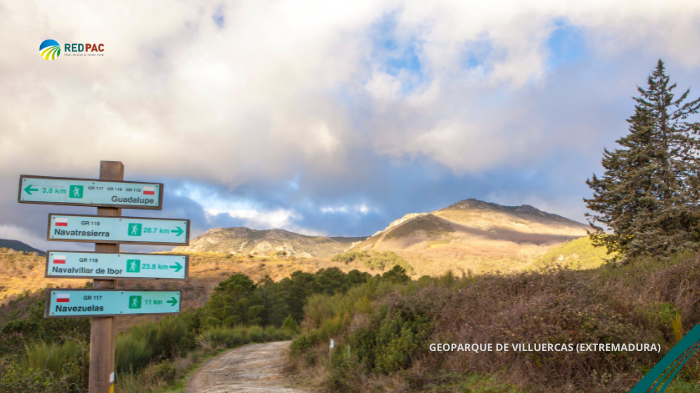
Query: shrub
[[290, 324], [133, 352], [171, 332], [382, 333], [162, 372], [71, 378], [350, 256], [52, 357]]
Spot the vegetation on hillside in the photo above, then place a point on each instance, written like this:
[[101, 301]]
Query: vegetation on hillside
[[16, 245], [383, 331], [50, 355], [576, 254], [374, 260]]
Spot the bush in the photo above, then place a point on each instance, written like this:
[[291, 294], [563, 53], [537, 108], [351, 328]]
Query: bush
[[72, 378], [133, 352], [171, 333], [302, 347], [162, 372], [290, 325], [375, 261], [350, 256]]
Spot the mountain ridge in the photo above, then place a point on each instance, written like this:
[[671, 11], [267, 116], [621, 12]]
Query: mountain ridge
[[469, 234], [19, 246], [242, 240]]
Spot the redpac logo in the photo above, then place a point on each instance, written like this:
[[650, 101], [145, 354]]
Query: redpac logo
[[50, 50], [84, 49]]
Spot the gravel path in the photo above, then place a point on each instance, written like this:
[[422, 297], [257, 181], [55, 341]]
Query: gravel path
[[259, 368]]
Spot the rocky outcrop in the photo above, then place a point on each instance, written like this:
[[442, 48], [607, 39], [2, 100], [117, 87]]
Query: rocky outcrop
[[244, 241]]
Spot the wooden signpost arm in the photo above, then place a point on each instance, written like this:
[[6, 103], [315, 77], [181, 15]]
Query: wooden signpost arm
[[102, 333]]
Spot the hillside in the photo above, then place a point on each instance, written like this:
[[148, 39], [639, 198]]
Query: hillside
[[579, 254], [19, 246], [245, 241], [473, 235], [22, 274]]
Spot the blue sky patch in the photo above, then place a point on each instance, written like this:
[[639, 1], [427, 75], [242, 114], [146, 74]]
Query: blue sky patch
[[565, 45], [397, 55], [219, 17]]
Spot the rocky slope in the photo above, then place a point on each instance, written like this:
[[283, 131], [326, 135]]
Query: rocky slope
[[245, 241], [474, 235]]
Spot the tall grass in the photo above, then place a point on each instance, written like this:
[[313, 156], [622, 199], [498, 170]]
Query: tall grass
[[52, 357], [231, 337]]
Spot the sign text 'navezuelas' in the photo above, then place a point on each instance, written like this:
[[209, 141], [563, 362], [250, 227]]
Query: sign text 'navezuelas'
[[71, 264], [101, 229], [85, 192], [109, 302]]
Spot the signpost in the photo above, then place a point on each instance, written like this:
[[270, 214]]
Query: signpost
[[90, 229], [62, 303], [70, 264], [107, 230], [86, 192]]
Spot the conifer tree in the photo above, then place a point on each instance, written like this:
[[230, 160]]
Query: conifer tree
[[646, 202]]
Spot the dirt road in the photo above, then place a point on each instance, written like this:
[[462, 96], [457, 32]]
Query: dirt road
[[259, 368]]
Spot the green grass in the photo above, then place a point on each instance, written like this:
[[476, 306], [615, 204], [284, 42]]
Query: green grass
[[41, 355], [576, 254], [474, 383]]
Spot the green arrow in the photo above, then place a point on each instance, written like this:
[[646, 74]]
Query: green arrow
[[172, 301], [29, 189], [179, 231], [176, 266]]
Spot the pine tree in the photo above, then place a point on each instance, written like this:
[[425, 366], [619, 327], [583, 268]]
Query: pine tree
[[648, 196]]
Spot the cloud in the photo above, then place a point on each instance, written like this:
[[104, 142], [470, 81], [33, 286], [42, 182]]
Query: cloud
[[288, 108]]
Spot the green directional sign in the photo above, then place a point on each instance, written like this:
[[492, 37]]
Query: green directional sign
[[87, 192], [102, 229], [72, 264], [62, 303]]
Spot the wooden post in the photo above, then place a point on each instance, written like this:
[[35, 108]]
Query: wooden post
[[102, 332]]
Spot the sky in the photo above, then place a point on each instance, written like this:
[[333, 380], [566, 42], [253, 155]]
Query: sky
[[328, 118]]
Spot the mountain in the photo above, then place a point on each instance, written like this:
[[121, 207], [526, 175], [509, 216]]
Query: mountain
[[244, 241], [468, 235], [472, 221], [474, 235], [19, 246]]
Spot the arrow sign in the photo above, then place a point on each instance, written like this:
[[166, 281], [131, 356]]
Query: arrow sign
[[90, 192], [102, 229], [61, 303], [29, 189], [70, 264], [177, 266]]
